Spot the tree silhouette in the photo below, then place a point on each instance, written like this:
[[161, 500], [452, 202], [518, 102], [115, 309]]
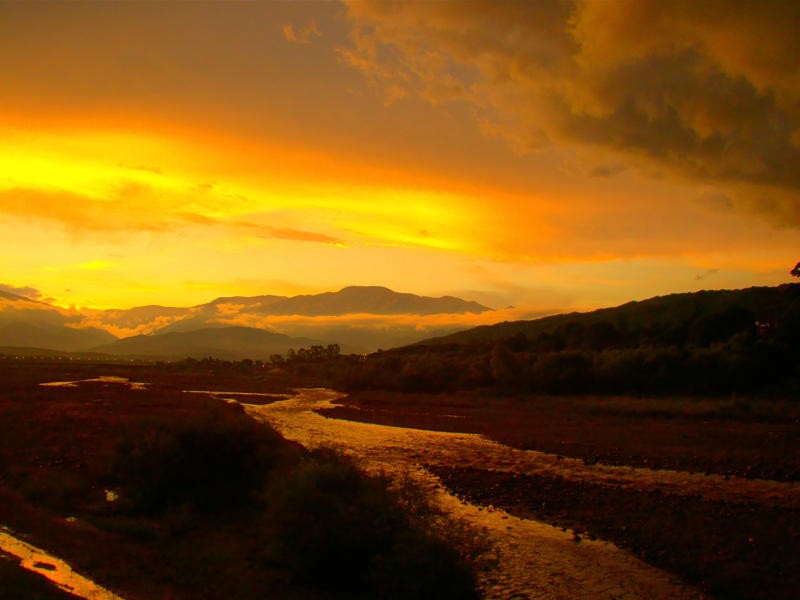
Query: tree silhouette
[[796, 271]]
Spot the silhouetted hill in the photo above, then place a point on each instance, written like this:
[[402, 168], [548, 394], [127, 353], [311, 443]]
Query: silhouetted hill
[[358, 318], [248, 301], [233, 343], [26, 322], [56, 337], [711, 342], [374, 300], [256, 311], [671, 319]]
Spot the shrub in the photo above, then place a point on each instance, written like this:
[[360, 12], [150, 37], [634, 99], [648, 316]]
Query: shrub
[[334, 529], [213, 462]]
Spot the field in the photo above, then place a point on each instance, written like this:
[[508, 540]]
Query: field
[[732, 530]]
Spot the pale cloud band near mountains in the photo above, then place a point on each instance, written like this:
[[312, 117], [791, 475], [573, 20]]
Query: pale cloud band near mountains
[[392, 321]]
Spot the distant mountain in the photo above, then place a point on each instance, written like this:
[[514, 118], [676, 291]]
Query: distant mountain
[[358, 318], [53, 336], [311, 312], [232, 343], [25, 322], [374, 300]]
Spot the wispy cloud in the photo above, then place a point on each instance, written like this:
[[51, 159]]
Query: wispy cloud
[[302, 35], [128, 211], [297, 235], [377, 322]]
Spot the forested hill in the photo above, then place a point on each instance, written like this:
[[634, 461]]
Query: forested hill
[[710, 342], [692, 318]]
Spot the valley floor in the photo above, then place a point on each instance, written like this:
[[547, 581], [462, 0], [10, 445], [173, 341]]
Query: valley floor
[[706, 489]]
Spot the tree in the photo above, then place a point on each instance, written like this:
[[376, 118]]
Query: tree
[[796, 271]]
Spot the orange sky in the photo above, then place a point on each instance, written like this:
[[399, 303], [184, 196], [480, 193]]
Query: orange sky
[[549, 155]]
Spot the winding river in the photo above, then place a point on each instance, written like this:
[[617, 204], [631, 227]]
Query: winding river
[[535, 560]]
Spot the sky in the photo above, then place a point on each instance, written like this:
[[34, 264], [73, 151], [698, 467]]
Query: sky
[[554, 155]]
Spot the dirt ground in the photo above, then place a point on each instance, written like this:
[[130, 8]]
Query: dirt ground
[[729, 548], [758, 440]]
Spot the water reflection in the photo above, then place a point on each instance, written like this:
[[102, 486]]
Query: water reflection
[[134, 385], [56, 570], [535, 559]]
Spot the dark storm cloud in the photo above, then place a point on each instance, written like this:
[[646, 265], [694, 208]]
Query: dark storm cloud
[[705, 90]]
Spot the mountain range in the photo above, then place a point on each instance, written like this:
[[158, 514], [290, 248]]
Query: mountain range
[[358, 318]]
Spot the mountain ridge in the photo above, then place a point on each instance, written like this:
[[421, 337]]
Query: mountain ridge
[[657, 312], [378, 321], [223, 342]]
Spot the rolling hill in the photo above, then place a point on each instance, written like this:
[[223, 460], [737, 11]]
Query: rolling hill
[[671, 319], [231, 343], [725, 342], [358, 318]]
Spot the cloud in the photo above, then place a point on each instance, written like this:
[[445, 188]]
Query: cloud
[[123, 324], [606, 170], [24, 291], [708, 91], [129, 209], [263, 231], [303, 35], [76, 212], [422, 323], [125, 329], [297, 235], [707, 273]]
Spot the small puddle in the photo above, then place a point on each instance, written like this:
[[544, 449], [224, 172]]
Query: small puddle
[[134, 385], [56, 570]]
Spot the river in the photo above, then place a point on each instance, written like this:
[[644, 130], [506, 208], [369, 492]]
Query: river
[[535, 560]]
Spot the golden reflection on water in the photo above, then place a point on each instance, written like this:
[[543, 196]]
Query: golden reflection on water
[[56, 570], [134, 385], [535, 560]]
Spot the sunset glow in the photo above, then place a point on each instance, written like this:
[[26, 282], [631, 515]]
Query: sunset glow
[[333, 144]]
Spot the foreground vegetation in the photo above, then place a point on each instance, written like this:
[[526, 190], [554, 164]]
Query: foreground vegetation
[[169, 496]]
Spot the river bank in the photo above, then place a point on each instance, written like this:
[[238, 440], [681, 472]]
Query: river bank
[[596, 466], [535, 560]]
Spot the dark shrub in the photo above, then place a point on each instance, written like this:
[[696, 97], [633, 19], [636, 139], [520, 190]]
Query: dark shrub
[[334, 529], [215, 462]]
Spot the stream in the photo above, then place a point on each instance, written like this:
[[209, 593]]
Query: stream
[[535, 560], [56, 570]]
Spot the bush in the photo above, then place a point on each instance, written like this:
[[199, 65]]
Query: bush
[[316, 524], [209, 463], [332, 528]]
